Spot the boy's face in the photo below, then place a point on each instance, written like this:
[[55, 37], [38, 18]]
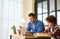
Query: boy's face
[[32, 19]]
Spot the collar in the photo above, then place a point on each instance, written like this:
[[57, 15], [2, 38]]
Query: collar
[[35, 22]]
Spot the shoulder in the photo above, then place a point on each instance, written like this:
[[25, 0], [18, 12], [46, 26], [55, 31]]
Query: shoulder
[[57, 27], [29, 23], [39, 21]]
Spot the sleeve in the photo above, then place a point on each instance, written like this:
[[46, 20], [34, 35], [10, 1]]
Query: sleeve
[[28, 27], [57, 32], [41, 27]]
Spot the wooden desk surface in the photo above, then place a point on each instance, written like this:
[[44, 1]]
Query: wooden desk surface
[[32, 37], [42, 35], [39, 36]]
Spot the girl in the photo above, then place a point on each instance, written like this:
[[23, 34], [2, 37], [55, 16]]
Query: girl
[[52, 28]]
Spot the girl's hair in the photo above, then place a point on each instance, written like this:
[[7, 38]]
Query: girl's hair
[[52, 19]]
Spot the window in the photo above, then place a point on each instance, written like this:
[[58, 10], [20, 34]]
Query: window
[[39, 9], [52, 5], [58, 18], [47, 8], [42, 11], [58, 12], [58, 4], [11, 11], [44, 19], [44, 6], [40, 17], [53, 13]]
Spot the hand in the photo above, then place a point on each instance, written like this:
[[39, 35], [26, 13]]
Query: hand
[[28, 32], [50, 33]]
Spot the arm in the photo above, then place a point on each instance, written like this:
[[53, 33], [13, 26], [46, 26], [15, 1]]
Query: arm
[[28, 27], [57, 32]]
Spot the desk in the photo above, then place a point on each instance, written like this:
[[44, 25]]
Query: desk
[[31, 37], [37, 37], [41, 36]]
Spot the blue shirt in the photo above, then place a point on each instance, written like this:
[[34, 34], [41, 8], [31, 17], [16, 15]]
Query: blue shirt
[[36, 28]]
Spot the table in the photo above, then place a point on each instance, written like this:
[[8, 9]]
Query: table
[[40, 36]]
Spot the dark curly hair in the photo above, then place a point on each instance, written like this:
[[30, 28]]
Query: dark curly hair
[[52, 19]]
